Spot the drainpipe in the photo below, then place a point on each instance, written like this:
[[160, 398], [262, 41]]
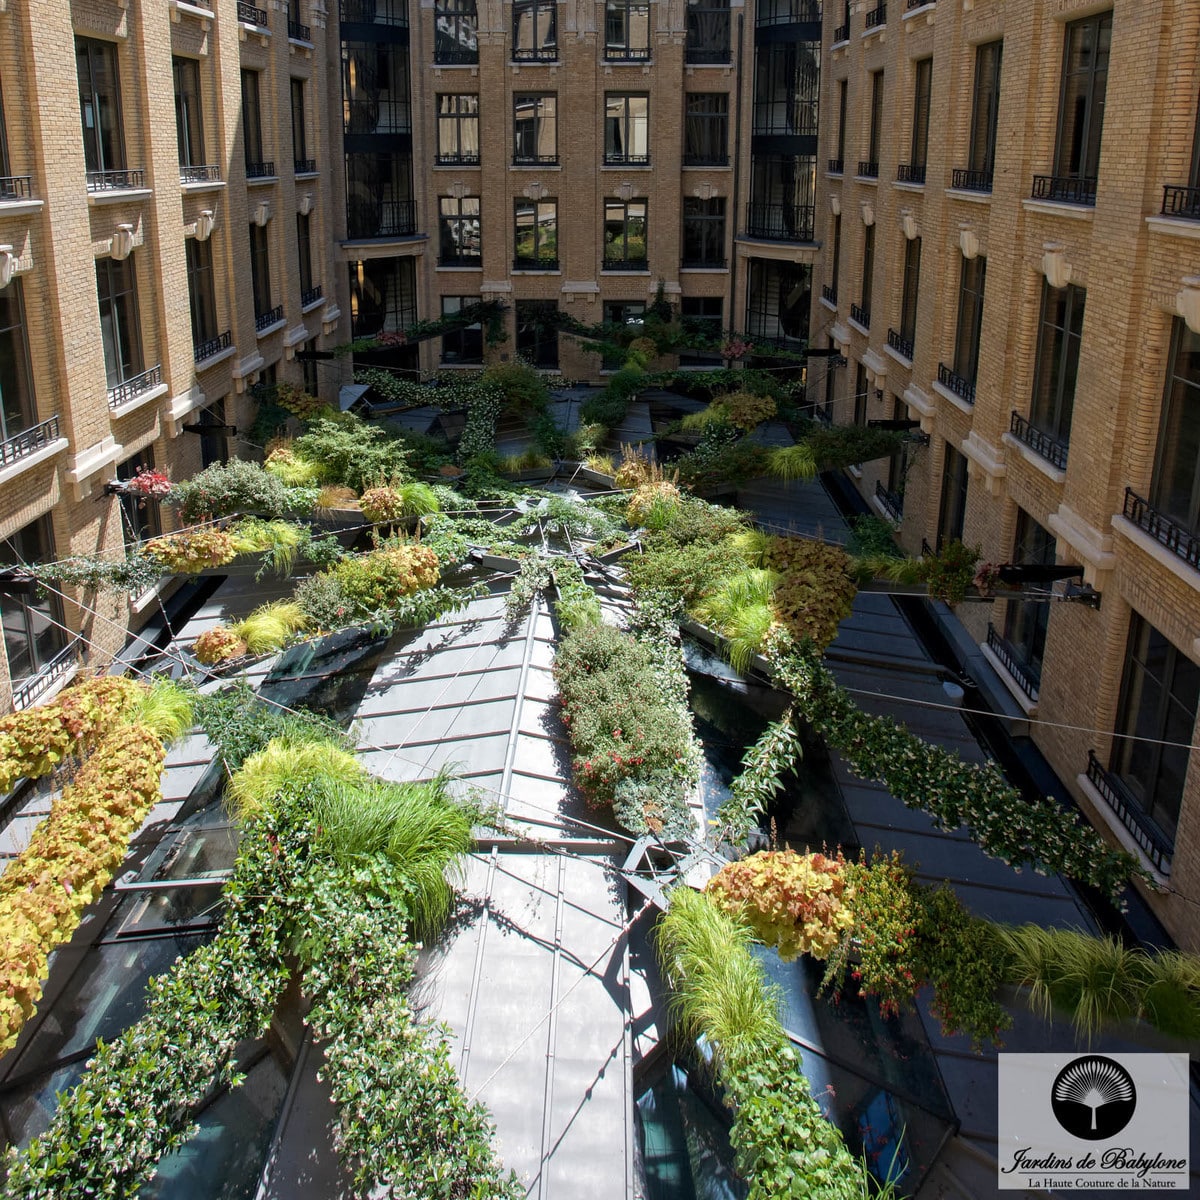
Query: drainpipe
[[737, 170]]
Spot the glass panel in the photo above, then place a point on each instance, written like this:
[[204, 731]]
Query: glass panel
[[876, 115], [99, 104], [953, 510], [299, 138], [375, 88], [705, 131], [200, 290], [1081, 112], [1059, 338], [787, 80], [912, 281], [116, 288], [251, 118], [33, 632], [868, 265], [188, 126], [970, 318], [383, 296], [985, 107], [260, 270], [458, 128], [1176, 487], [17, 410], [920, 138]]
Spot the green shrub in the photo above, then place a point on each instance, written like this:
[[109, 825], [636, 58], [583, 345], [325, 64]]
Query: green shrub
[[235, 486], [353, 452], [270, 627], [324, 601], [524, 390], [376, 582]]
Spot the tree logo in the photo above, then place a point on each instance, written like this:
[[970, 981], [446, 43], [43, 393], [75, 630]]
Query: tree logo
[[1093, 1098]]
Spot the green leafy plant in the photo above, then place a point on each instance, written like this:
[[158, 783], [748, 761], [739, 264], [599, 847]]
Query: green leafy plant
[[754, 789], [951, 571], [217, 645], [286, 465], [288, 762], [131, 575], [817, 589], [793, 462], [281, 542], [353, 453], [271, 626], [193, 551], [412, 499], [376, 582], [164, 707], [236, 486], [741, 610]]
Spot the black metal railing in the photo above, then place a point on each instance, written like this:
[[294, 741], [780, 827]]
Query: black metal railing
[[1181, 201], [1065, 189], [28, 441], [251, 15], [780, 222], [271, 317], [927, 550], [374, 12], [868, 168], [1181, 541], [1023, 675], [455, 56], [627, 160], [910, 173], [110, 181], [382, 218], [206, 173], [841, 33], [535, 54], [788, 12], [386, 114], [624, 263], [876, 17], [1155, 844], [130, 389], [889, 501], [535, 264], [837, 166], [626, 53], [703, 264], [16, 187], [971, 181], [304, 166], [461, 258], [36, 686], [458, 160], [311, 295], [964, 389], [918, 4], [214, 345], [900, 344], [260, 170], [829, 292], [706, 159], [860, 314], [535, 160], [298, 32], [1050, 448]]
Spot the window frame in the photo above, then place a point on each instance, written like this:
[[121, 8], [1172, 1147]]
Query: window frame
[[705, 232], [968, 329], [125, 340], [252, 130], [922, 102], [304, 256], [707, 37], [539, 121], [545, 336], [455, 225], [260, 270], [538, 261], [23, 412], [456, 119], [981, 155], [455, 32], [1058, 352], [299, 121], [622, 127], [14, 551], [952, 496], [619, 30], [101, 153], [1180, 411], [141, 520], [626, 220], [189, 111], [202, 294], [464, 338], [868, 270], [546, 50], [876, 113], [1088, 149], [1027, 621], [910, 289], [711, 324], [705, 129]]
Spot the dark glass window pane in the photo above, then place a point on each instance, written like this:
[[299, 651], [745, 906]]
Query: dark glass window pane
[[33, 632], [1059, 337], [201, 295], [1081, 111], [912, 281], [100, 104], [116, 286], [189, 128], [17, 409], [921, 102], [970, 317], [375, 88], [251, 118], [985, 107], [1176, 487], [787, 81], [461, 345]]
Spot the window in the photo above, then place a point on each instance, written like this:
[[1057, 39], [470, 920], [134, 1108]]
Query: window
[[782, 197], [868, 275], [383, 296], [703, 232], [537, 332], [304, 256], [920, 133], [1026, 621], [861, 391], [706, 129], [625, 235], [985, 113], [622, 312], [952, 511], [461, 345], [458, 129], [787, 81], [1081, 106], [535, 129], [116, 286], [1158, 705], [830, 380], [100, 105], [536, 235], [898, 463], [707, 32], [627, 128], [459, 241], [627, 29], [375, 88], [214, 447], [970, 320], [871, 166], [201, 292], [843, 87], [299, 134], [252, 137], [33, 632], [836, 263], [308, 367], [1059, 335], [778, 300], [140, 518], [17, 409], [1175, 488], [535, 31], [260, 270], [908, 300], [1193, 174], [189, 127], [703, 315], [379, 199], [455, 37]]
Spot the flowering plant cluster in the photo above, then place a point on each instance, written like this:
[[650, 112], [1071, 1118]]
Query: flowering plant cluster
[[377, 581], [190, 552], [735, 348], [218, 645], [153, 485], [382, 504], [817, 590], [745, 410], [653, 504]]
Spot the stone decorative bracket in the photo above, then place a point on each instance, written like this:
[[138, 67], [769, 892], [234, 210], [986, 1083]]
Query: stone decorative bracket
[[868, 213], [1054, 264], [835, 205], [535, 191], [306, 204], [8, 265], [262, 213], [206, 222], [1187, 301], [968, 241], [122, 242], [908, 223]]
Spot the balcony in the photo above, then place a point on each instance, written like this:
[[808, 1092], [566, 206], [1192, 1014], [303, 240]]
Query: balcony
[[1177, 538], [385, 114], [1155, 844], [201, 174], [634, 54], [1021, 672], [304, 166], [130, 389], [311, 296], [837, 166], [271, 317], [964, 389], [780, 222], [625, 262], [535, 160], [28, 441], [910, 173], [374, 12], [523, 263], [829, 294], [860, 314], [627, 160], [703, 264], [260, 170], [458, 160], [298, 32], [706, 160], [16, 187], [918, 4], [1050, 448], [214, 346], [36, 686], [876, 17], [249, 15], [971, 181], [902, 345], [889, 501], [1065, 189], [868, 168], [1181, 201], [841, 33], [535, 54], [115, 181], [787, 12], [381, 218]]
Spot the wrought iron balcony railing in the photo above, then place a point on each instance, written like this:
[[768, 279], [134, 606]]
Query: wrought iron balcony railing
[[780, 222], [214, 345], [890, 502], [28, 441], [868, 168], [206, 173], [900, 344], [130, 389], [535, 54], [1181, 201], [521, 263], [304, 166], [1023, 675], [250, 15], [1155, 844], [706, 159], [16, 187], [271, 317], [110, 181], [381, 218], [260, 170], [876, 17], [1181, 541], [626, 160], [1065, 189], [36, 686], [918, 4], [458, 160], [298, 32], [837, 166], [535, 160], [624, 262], [788, 12], [829, 292], [860, 314], [963, 388], [841, 33], [626, 53], [374, 12], [1052, 449], [311, 295], [966, 180], [910, 173]]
